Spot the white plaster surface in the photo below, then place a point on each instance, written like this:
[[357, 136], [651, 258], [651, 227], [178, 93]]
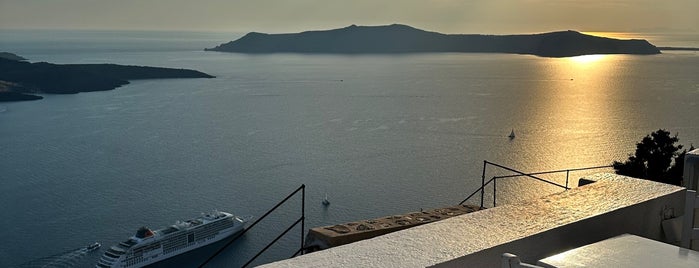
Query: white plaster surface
[[691, 170], [625, 251], [444, 241]]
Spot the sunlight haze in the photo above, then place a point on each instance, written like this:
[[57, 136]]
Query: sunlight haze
[[446, 16]]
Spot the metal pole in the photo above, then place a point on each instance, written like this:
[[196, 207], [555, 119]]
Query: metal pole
[[303, 215], [272, 243], [495, 182], [567, 173], [245, 230], [476, 191], [525, 174], [483, 182], [553, 171]]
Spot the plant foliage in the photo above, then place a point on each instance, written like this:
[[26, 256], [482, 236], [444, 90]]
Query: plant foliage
[[657, 158]]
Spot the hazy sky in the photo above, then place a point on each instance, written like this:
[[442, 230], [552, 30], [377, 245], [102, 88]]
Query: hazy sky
[[448, 16]]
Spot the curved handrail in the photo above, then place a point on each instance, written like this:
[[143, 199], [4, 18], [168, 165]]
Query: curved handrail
[[301, 220], [522, 174]]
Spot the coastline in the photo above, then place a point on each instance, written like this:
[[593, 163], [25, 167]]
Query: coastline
[[679, 48], [8, 96], [19, 79], [404, 39]]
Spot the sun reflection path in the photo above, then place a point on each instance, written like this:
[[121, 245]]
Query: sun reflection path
[[588, 59], [580, 107]]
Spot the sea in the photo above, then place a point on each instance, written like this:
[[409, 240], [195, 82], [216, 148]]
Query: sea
[[378, 134]]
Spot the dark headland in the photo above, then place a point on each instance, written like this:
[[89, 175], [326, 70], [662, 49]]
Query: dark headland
[[398, 38], [19, 79], [11, 56]]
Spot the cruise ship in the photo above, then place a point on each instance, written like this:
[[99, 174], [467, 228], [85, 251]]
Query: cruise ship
[[149, 246]]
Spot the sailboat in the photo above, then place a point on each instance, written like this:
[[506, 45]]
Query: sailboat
[[325, 201], [512, 134]]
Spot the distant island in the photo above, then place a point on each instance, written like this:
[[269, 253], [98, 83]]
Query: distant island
[[680, 48], [398, 38], [20, 80], [11, 56]]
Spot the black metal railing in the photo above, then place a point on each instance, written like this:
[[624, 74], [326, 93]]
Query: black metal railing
[[533, 175], [301, 220]]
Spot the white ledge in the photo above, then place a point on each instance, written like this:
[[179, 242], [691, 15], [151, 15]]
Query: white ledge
[[613, 205]]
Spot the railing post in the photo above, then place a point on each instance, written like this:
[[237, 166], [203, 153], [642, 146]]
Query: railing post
[[531, 175], [495, 182], [483, 182], [303, 214]]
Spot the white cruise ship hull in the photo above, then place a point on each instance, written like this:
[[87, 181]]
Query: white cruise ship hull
[[170, 242]]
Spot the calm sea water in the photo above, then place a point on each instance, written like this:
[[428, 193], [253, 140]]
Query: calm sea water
[[380, 135]]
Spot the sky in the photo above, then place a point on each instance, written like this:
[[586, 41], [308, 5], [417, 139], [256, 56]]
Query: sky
[[275, 16]]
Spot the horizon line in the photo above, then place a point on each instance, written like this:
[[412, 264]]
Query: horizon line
[[586, 31]]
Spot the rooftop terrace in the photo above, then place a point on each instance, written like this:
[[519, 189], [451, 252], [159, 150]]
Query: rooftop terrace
[[535, 229]]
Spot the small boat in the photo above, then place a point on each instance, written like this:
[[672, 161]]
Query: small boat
[[93, 247], [512, 134], [325, 201]]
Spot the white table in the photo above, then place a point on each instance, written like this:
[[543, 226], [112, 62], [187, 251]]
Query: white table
[[624, 251]]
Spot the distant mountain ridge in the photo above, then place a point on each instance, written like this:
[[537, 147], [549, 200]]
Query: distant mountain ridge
[[397, 38]]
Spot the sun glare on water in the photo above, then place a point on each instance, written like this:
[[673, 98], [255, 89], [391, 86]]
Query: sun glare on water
[[581, 93], [587, 59]]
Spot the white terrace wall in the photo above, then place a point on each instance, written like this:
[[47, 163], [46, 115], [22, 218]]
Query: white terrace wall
[[532, 230], [642, 219], [691, 170]]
